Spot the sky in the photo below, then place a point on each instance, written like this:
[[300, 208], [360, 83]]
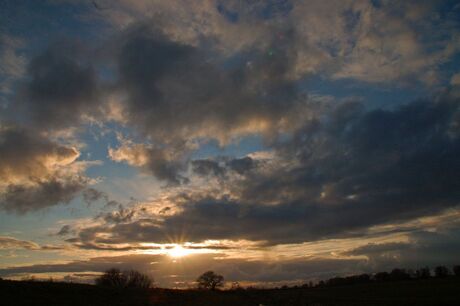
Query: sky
[[274, 142]]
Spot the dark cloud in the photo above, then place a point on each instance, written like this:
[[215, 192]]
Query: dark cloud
[[91, 195], [177, 90], [25, 153], [224, 219], [353, 169], [422, 249], [22, 199], [205, 167], [36, 172], [62, 88], [117, 231], [122, 215], [65, 230], [219, 168], [378, 249], [112, 203], [177, 93], [241, 165], [170, 91], [164, 164]]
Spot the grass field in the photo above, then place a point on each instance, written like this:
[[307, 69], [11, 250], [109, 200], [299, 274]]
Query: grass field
[[413, 292]]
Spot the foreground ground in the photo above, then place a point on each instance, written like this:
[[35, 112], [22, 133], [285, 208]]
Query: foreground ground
[[415, 292]]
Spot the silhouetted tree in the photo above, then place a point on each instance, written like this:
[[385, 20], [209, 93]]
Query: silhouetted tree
[[308, 285], [29, 278], [411, 273], [336, 281], [399, 274], [127, 279], [349, 280], [112, 278], [382, 276], [441, 271], [423, 273], [210, 280], [456, 270], [358, 279], [135, 279]]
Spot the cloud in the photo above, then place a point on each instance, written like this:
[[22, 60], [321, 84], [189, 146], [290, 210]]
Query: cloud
[[177, 81], [337, 176], [205, 167], [307, 262], [176, 76], [13, 63], [61, 90], [36, 172], [65, 230], [25, 154], [22, 199], [377, 42], [13, 243], [180, 87], [91, 195], [164, 164], [219, 168], [177, 91], [184, 21], [122, 215], [420, 250], [423, 248], [176, 95]]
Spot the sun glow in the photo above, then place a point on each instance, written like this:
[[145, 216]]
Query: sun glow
[[178, 251]]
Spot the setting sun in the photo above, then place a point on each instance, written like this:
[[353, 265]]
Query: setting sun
[[178, 251]]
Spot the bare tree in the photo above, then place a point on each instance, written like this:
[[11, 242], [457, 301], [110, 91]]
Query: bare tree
[[135, 279], [210, 280], [112, 278], [441, 271], [127, 279], [456, 270], [423, 273]]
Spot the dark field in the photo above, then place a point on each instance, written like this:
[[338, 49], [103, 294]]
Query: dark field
[[413, 292]]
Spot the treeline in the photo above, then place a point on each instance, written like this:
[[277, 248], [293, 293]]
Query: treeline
[[209, 280], [395, 275]]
